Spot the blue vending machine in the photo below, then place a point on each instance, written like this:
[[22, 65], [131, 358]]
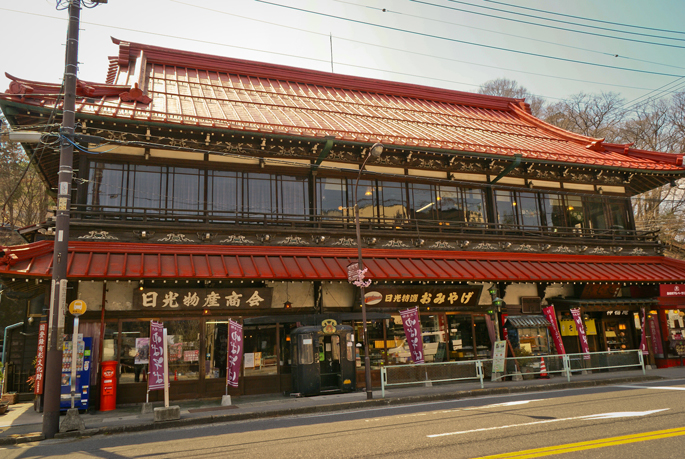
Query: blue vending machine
[[83, 365]]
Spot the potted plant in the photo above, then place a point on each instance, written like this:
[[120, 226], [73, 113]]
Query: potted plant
[[525, 362]]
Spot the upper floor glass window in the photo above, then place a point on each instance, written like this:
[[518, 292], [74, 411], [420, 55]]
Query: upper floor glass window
[[518, 208], [332, 197]]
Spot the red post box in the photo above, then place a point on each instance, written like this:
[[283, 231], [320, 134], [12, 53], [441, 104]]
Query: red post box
[[108, 386]]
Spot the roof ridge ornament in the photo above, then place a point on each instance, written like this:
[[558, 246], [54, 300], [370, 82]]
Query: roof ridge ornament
[[597, 145], [135, 94]]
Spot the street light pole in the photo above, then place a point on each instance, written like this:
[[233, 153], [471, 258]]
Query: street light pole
[[375, 151]]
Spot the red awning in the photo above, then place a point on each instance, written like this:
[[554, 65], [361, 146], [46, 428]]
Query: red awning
[[104, 260]]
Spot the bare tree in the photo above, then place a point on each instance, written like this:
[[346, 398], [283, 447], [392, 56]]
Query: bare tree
[[505, 87], [23, 195], [659, 126], [593, 115], [651, 127]]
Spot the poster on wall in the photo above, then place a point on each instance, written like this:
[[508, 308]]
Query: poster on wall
[[142, 351]]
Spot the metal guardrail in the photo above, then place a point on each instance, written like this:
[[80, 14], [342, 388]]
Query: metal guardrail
[[527, 367], [428, 373]]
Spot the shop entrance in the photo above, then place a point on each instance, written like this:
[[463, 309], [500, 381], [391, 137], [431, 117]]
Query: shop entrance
[[618, 334], [323, 359]]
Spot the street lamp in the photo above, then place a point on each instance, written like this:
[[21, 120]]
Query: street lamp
[[375, 151]]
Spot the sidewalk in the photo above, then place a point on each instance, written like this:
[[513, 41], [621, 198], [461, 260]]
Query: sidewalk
[[22, 424]]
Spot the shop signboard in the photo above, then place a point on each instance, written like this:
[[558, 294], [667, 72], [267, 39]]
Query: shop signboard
[[499, 354], [551, 317], [672, 290], [679, 347], [442, 297], [40, 358], [193, 299], [600, 291], [584, 346], [235, 353], [156, 368], [412, 330]]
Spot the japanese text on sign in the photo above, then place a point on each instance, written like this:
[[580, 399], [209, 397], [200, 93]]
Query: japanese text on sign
[[40, 358], [412, 331], [171, 299], [449, 297], [235, 353], [156, 366]]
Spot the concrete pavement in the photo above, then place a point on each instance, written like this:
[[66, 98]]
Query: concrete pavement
[[22, 424]]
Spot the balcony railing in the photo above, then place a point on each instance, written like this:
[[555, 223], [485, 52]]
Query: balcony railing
[[202, 220]]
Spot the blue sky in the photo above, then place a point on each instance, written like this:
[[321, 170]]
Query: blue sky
[[412, 41]]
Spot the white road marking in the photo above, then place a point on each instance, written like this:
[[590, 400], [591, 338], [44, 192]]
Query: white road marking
[[653, 387], [499, 405], [622, 414]]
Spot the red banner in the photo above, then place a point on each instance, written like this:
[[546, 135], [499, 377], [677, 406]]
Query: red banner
[[40, 358], [656, 335], [412, 330], [643, 339], [554, 328], [234, 353], [156, 366], [581, 333]]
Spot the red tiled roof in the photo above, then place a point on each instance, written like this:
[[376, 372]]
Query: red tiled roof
[[99, 260], [202, 90]]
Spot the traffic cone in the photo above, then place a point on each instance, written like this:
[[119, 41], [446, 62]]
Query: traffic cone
[[543, 369]]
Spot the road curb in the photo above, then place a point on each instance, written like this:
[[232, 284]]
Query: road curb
[[229, 417]]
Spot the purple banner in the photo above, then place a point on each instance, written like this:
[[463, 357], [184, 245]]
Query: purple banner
[[554, 328], [643, 339], [156, 366], [235, 353], [581, 333], [412, 330], [656, 336]]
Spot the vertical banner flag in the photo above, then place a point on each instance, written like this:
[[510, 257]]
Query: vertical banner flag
[[40, 358], [581, 333], [656, 336], [412, 330], [156, 366], [552, 319], [234, 353], [643, 339]]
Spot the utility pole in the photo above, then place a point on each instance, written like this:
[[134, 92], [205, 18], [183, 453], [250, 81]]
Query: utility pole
[[58, 293]]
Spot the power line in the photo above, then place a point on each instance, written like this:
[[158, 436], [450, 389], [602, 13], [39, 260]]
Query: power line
[[454, 40], [555, 20], [631, 104], [584, 18], [603, 53], [344, 39]]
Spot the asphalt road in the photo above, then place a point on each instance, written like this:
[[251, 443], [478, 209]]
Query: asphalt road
[[631, 421]]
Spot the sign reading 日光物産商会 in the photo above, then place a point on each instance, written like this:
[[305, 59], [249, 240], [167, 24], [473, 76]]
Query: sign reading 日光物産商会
[[202, 298], [447, 297]]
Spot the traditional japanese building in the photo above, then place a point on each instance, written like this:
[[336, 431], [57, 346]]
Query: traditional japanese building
[[225, 188]]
